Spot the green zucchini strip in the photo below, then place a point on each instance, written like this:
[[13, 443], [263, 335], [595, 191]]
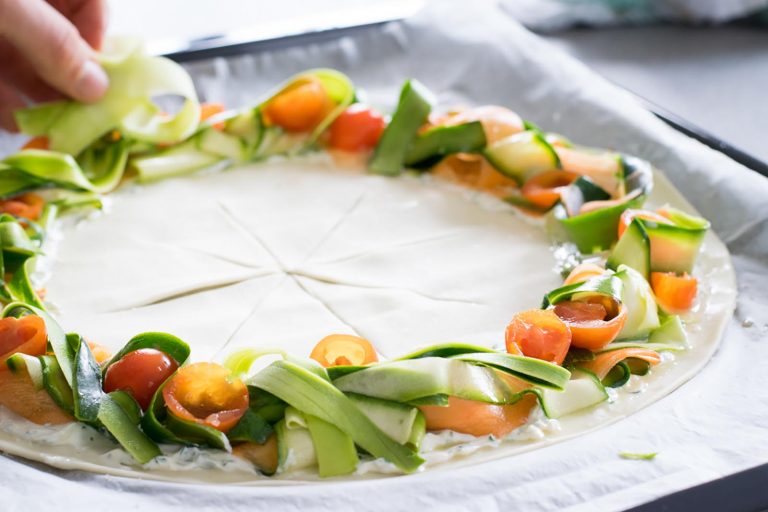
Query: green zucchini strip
[[413, 107], [606, 284], [315, 396], [429, 147], [535, 371], [135, 78]]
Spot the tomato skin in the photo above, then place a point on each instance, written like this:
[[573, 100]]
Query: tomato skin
[[140, 373], [344, 349], [26, 335], [674, 293], [358, 128], [300, 108], [208, 394], [538, 333]]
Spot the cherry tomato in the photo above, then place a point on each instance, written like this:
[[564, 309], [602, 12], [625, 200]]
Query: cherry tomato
[[538, 333], [300, 108], [208, 394], [344, 349], [140, 373], [593, 324], [357, 129], [26, 335], [674, 293]]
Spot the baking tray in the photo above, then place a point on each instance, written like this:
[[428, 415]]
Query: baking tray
[[744, 491]]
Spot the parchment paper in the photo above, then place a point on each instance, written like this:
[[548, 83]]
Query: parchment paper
[[710, 427]]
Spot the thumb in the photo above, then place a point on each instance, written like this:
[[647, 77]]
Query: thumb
[[53, 47]]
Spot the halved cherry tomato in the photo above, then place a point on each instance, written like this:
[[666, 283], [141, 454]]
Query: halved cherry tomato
[[344, 349], [208, 394], [544, 189], [300, 108], [582, 272], [39, 142], [140, 373], [603, 363], [675, 294], [594, 323], [478, 418], [28, 206], [25, 335], [209, 110], [538, 333], [263, 456], [358, 128], [18, 393], [629, 215]]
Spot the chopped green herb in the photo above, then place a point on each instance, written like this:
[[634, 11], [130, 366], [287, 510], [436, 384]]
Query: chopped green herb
[[637, 456]]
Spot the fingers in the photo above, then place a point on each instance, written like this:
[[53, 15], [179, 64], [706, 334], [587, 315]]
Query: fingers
[[53, 48], [10, 100], [16, 72]]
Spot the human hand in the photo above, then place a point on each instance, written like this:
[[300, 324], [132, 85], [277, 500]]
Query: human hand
[[47, 49]]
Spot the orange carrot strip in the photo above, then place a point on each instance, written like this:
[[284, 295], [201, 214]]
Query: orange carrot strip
[[544, 189], [478, 418], [603, 363]]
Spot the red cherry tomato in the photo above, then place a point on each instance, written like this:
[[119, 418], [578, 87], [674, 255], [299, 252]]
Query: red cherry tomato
[[26, 335], [140, 373], [357, 129]]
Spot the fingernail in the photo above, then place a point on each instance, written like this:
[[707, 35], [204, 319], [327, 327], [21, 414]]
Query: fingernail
[[92, 82]]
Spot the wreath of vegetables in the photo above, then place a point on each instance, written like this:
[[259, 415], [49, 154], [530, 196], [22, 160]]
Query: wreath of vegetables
[[616, 311]]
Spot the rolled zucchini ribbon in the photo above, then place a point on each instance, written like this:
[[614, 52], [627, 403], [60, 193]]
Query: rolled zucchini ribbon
[[644, 334], [89, 144], [135, 78], [409, 141], [596, 230], [73, 379], [649, 246], [374, 407], [17, 252], [246, 135]]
